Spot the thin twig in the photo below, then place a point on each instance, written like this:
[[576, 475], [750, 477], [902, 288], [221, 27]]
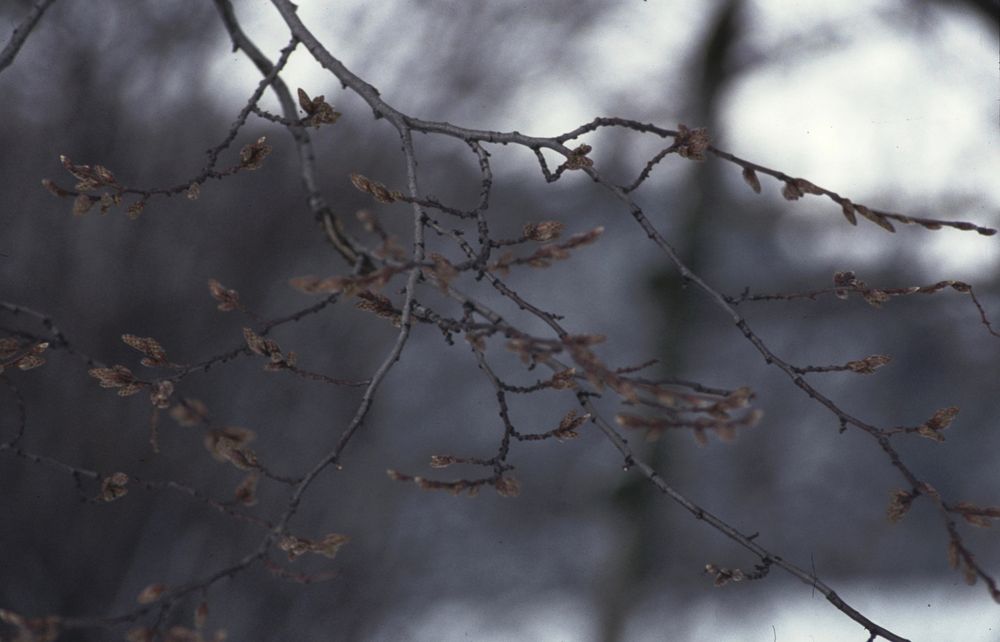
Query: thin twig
[[22, 31]]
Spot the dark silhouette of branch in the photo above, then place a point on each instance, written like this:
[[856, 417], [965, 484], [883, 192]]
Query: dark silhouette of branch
[[22, 31]]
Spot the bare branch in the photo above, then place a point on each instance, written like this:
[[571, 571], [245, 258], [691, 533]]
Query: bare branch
[[22, 31]]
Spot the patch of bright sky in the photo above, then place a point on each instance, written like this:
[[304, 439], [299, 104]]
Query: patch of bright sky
[[891, 118], [794, 613], [916, 611], [632, 53], [554, 618], [906, 122], [348, 30], [885, 107], [623, 51]]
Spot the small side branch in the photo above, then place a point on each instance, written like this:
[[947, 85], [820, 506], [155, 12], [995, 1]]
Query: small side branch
[[22, 31]]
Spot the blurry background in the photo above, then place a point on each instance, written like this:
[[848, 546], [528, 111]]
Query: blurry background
[[893, 104]]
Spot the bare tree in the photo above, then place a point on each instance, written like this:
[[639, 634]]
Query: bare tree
[[461, 286]]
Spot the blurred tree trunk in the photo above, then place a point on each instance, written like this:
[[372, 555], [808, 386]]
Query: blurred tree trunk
[[636, 503]]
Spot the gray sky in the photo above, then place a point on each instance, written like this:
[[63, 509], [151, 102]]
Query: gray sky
[[901, 114]]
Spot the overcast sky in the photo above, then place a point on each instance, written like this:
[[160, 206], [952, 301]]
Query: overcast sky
[[886, 104]]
